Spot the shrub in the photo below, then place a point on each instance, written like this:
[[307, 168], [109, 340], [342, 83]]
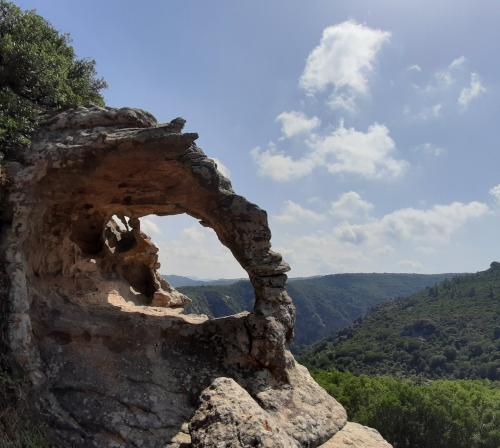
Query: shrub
[[39, 72]]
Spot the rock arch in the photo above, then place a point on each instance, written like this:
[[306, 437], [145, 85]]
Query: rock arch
[[112, 371]]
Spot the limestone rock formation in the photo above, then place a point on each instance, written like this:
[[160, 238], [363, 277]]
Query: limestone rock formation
[[112, 360], [354, 435]]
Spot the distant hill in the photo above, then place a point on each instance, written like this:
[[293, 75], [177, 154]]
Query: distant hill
[[324, 304], [178, 280], [450, 330]]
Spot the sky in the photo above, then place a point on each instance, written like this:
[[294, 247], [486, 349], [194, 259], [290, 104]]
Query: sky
[[368, 130]]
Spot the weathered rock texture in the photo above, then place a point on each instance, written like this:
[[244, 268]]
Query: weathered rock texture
[[112, 360], [354, 435]]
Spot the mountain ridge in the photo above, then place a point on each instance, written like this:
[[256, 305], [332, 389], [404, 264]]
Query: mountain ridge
[[324, 304], [449, 330]]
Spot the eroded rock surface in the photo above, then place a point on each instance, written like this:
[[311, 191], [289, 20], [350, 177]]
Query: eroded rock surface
[[113, 360], [354, 435]]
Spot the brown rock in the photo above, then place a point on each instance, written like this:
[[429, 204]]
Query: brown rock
[[112, 360], [354, 435]]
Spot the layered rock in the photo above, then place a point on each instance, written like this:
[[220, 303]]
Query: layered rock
[[112, 359]]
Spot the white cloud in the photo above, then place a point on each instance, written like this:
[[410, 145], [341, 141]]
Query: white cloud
[[222, 168], [495, 192], [149, 227], [369, 154], [343, 59], [427, 113], [386, 243], [294, 212], [436, 224], [194, 233], [411, 265], [350, 205], [187, 248], [446, 76], [468, 94], [343, 101], [279, 166], [294, 123], [430, 149], [457, 63], [414, 68]]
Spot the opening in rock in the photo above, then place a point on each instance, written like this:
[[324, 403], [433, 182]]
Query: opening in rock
[[191, 255]]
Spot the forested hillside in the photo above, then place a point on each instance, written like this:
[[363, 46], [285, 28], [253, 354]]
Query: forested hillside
[[450, 330], [420, 414], [324, 304]]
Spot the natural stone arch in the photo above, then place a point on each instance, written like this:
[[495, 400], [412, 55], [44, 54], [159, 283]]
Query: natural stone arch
[[120, 162], [134, 375]]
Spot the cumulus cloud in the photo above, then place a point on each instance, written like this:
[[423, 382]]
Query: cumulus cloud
[[378, 241], [343, 101], [222, 168], [350, 206], [294, 212], [279, 166], [468, 94], [436, 224], [295, 123], [343, 60], [495, 192], [369, 154]]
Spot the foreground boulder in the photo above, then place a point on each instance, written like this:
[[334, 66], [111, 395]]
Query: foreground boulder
[[354, 435], [112, 360]]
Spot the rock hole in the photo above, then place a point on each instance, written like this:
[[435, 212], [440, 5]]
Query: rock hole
[[190, 254]]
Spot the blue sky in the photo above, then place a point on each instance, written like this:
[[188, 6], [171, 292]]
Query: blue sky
[[367, 130]]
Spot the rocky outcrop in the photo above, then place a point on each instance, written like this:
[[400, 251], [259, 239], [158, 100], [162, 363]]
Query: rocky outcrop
[[354, 435], [112, 359]]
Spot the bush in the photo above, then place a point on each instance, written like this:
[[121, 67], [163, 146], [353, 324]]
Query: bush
[[39, 72]]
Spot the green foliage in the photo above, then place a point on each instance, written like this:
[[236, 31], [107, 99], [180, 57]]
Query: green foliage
[[431, 414], [447, 331], [324, 304], [39, 72]]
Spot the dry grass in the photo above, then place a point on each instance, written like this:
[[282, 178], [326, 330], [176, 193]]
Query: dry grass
[[17, 428]]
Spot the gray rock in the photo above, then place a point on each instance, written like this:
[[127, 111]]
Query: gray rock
[[229, 417]]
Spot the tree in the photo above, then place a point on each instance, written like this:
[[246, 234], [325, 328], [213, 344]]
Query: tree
[[39, 72]]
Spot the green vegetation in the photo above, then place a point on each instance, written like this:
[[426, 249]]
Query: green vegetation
[[450, 330], [39, 72], [324, 304], [431, 414]]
